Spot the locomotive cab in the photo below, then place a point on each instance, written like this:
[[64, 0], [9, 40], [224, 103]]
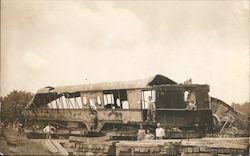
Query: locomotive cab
[[171, 106]]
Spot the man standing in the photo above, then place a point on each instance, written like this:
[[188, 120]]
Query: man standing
[[141, 133], [93, 114], [48, 130], [159, 132], [151, 109]]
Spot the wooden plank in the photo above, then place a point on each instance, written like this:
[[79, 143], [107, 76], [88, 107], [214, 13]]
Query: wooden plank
[[228, 139], [95, 140], [50, 146], [218, 143], [59, 147]]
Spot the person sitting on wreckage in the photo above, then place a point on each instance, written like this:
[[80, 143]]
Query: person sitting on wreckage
[[191, 101]]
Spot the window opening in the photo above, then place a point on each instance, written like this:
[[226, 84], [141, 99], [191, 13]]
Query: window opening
[[61, 102], [85, 101], [76, 103], [79, 101], [65, 103], [109, 99], [118, 102], [55, 97], [115, 99], [99, 101]]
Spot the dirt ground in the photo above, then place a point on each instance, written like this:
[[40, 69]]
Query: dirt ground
[[20, 145]]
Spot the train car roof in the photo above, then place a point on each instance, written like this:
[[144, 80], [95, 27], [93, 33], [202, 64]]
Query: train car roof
[[47, 94], [151, 81]]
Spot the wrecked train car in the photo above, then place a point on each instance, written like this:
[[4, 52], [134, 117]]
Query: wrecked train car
[[118, 105], [228, 120]]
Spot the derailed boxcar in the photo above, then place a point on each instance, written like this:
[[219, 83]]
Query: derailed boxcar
[[118, 105]]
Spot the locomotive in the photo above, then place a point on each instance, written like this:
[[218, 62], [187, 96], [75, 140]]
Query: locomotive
[[119, 106]]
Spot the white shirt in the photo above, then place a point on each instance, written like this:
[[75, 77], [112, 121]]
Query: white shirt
[[48, 129], [159, 132]]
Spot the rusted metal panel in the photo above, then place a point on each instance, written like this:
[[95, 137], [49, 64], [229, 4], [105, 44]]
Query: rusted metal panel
[[184, 118], [170, 99], [202, 99], [80, 115], [120, 115], [61, 115]]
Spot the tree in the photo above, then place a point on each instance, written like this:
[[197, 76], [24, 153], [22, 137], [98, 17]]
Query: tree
[[13, 103], [244, 107]]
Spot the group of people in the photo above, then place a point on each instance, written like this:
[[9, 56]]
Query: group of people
[[159, 133], [190, 100]]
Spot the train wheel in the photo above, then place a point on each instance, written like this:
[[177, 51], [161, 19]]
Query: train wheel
[[216, 122]]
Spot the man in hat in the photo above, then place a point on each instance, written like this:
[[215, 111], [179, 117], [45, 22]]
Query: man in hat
[[159, 132]]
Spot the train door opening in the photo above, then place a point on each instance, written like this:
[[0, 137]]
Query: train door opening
[[145, 95]]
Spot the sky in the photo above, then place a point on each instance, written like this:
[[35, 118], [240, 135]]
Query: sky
[[63, 42]]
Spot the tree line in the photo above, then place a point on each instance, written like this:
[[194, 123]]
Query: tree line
[[242, 107], [12, 105]]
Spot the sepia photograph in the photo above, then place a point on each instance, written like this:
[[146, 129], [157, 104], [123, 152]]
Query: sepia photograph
[[125, 77]]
